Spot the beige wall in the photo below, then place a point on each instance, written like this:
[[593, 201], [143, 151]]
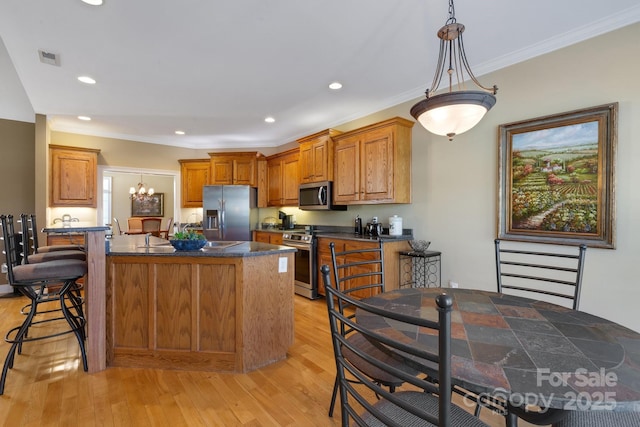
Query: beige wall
[[455, 183], [17, 172]]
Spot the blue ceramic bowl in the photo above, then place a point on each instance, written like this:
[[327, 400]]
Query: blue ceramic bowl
[[188, 245]]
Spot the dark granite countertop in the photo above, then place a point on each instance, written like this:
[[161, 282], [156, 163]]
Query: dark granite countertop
[[352, 236], [134, 245]]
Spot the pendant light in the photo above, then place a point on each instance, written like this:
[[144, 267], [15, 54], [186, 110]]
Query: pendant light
[[455, 111], [141, 193]]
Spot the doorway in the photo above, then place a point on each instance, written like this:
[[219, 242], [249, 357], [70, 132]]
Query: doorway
[[115, 201]]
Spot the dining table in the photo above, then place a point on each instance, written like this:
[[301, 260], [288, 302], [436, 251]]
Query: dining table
[[522, 351]]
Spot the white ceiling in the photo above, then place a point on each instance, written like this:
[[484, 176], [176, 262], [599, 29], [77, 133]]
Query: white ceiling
[[216, 69]]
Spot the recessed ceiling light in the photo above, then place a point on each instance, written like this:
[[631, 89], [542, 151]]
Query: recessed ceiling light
[[179, 132], [269, 119], [85, 118], [93, 2], [335, 85], [86, 79]]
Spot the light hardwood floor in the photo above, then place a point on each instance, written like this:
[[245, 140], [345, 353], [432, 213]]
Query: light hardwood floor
[[47, 386]]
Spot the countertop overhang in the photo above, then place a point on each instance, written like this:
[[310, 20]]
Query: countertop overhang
[[134, 245]]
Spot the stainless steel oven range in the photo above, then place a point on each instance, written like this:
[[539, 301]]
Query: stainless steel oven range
[[305, 262]]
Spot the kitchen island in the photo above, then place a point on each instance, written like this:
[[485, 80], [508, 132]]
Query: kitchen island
[[225, 308]]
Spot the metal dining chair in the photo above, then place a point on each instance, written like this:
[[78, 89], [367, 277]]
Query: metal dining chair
[[118, 228], [363, 400], [550, 274], [602, 418], [361, 272]]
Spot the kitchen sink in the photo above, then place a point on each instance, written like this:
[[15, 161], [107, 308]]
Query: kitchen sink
[[217, 244]]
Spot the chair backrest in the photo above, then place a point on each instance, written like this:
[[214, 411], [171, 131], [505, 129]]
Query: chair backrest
[[134, 224], [358, 272], [367, 399], [30, 233], [553, 272], [152, 225], [12, 245], [117, 223], [164, 233]]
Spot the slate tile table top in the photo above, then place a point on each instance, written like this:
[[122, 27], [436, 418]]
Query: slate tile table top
[[519, 348]]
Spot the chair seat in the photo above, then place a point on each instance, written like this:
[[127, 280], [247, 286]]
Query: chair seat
[[377, 374], [51, 270], [57, 255], [56, 248], [599, 419], [427, 402]]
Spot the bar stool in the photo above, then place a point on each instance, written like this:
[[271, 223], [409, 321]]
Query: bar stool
[[34, 281], [29, 234], [30, 221]]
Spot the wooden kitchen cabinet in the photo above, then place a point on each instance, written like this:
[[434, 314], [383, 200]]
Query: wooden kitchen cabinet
[[57, 239], [316, 156], [234, 168], [267, 237], [390, 248], [73, 178], [194, 174], [373, 164], [283, 180]]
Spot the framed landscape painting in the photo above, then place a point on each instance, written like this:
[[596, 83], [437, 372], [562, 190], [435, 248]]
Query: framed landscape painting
[[148, 206], [556, 178]]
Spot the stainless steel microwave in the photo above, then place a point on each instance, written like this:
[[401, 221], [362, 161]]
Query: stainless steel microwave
[[317, 196]]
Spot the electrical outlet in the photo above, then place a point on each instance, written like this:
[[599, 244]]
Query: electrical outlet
[[4, 268], [453, 284]]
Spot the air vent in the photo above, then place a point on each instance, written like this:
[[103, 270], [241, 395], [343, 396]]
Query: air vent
[[49, 57]]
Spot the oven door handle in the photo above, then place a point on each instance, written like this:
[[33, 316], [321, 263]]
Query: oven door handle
[[297, 246]]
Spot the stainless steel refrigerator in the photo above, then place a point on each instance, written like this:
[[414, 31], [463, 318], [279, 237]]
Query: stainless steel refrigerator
[[229, 211]]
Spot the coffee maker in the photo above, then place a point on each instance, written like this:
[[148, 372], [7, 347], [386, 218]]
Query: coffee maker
[[287, 221], [374, 228]]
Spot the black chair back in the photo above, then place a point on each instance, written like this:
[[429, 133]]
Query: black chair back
[[12, 245], [555, 273], [358, 401], [358, 272]]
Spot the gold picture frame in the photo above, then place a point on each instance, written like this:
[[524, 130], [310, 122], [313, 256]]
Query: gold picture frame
[[148, 206], [556, 178]]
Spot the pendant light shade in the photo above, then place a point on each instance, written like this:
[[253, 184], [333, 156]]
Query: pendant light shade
[[455, 111]]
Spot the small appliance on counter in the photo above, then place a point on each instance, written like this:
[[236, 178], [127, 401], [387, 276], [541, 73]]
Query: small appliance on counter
[[287, 221], [395, 225], [358, 226], [374, 228]]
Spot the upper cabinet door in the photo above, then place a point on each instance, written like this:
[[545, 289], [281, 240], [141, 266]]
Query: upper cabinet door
[[222, 170], [234, 168], [194, 175], [316, 157], [283, 178], [73, 179], [373, 164], [346, 186]]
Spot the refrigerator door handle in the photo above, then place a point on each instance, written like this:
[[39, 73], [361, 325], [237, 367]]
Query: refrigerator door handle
[[222, 224]]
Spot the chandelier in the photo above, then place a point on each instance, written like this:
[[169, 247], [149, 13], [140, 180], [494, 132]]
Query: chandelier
[[456, 111], [141, 193]]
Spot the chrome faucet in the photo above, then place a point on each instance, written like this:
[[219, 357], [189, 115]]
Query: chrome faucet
[[146, 239]]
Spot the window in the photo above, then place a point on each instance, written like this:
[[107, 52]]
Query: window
[[106, 199]]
